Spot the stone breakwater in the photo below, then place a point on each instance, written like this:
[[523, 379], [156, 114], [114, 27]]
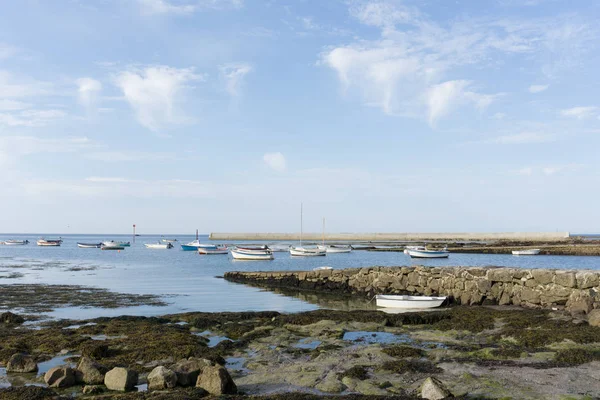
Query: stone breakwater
[[575, 291]]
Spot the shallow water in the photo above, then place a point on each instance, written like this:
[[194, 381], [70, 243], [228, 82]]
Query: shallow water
[[188, 279]]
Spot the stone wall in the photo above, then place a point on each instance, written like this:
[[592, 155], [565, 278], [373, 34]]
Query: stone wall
[[396, 237], [576, 291]]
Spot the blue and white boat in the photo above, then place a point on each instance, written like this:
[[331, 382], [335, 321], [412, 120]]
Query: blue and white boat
[[192, 246]]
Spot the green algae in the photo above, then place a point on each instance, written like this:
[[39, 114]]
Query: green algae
[[403, 351]]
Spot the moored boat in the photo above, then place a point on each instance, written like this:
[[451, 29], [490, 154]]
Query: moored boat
[[212, 249], [337, 248], [12, 242], [159, 245], [113, 246], [409, 248], [191, 246], [528, 252], [89, 245], [323, 268], [169, 240], [429, 253], [280, 248], [304, 251], [49, 242], [113, 243], [245, 253], [408, 302]]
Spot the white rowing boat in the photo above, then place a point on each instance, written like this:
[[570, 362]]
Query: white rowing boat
[[159, 245], [241, 253], [412, 302], [49, 242], [301, 251], [529, 252], [336, 248], [213, 249], [12, 242], [89, 245], [429, 253], [409, 248]]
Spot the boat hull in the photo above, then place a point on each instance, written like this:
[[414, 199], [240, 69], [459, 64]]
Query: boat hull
[[531, 252], [49, 243], [112, 248], [158, 246], [89, 245], [408, 302], [428, 254], [334, 250], [188, 247], [252, 255], [16, 242], [205, 251], [304, 252]]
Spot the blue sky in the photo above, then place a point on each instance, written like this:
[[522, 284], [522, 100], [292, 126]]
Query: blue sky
[[224, 115]]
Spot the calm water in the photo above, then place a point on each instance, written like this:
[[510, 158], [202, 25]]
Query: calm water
[[188, 279]]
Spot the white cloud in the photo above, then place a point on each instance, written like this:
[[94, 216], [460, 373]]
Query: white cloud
[[185, 7], [405, 72], [234, 75], [524, 138], [12, 86], [13, 105], [580, 112], [14, 147], [538, 88], [154, 91], [548, 170], [107, 179], [6, 51], [275, 161], [88, 90], [499, 115], [31, 117], [527, 171], [128, 156]]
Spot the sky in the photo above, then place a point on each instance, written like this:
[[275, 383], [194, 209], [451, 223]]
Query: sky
[[226, 115]]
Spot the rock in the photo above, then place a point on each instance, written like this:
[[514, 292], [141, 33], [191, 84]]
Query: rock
[[216, 380], [587, 279], [594, 317], [90, 372], [60, 377], [21, 362], [542, 276], [188, 370], [433, 389], [565, 278], [161, 378], [10, 318], [95, 351], [121, 379], [93, 389], [579, 301], [330, 384]]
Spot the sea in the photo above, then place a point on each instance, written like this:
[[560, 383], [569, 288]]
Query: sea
[[187, 281]]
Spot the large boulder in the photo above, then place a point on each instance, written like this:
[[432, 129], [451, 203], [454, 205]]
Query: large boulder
[[187, 371], [161, 378], [21, 362], [90, 372], [216, 380], [60, 377], [594, 317], [433, 389], [121, 379]]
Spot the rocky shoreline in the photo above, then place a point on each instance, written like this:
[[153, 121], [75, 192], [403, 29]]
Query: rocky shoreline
[[465, 352]]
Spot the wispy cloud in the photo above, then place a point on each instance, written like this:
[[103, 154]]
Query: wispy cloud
[[538, 88], [128, 156], [31, 117], [548, 170], [153, 93], [524, 138], [106, 179], [580, 112], [185, 7], [14, 86], [7, 51], [234, 74], [14, 147], [275, 161], [88, 90]]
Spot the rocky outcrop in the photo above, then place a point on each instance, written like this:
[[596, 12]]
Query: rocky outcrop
[[575, 291], [216, 381], [187, 371], [21, 362], [10, 318], [161, 378], [121, 379], [60, 377], [90, 372], [433, 389]]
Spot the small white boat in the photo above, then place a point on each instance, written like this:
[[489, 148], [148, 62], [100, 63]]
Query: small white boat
[[89, 245], [113, 243], [324, 268], [302, 251], [529, 252], [158, 245], [212, 249], [169, 240], [49, 242], [409, 248], [336, 248], [12, 242], [113, 246], [242, 253], [429, 253], [401, 301]]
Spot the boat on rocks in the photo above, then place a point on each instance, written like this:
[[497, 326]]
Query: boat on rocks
[[89, 245], [49, 242], [528, 252], [252, 253], [408, 302], [212, 249], [444, 253], [159, 245], [13, 242]]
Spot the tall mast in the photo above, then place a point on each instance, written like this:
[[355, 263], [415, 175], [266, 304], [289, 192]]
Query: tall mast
[[300, 224]]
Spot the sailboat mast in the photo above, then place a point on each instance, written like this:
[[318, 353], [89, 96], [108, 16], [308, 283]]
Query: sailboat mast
[[301, 224]]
